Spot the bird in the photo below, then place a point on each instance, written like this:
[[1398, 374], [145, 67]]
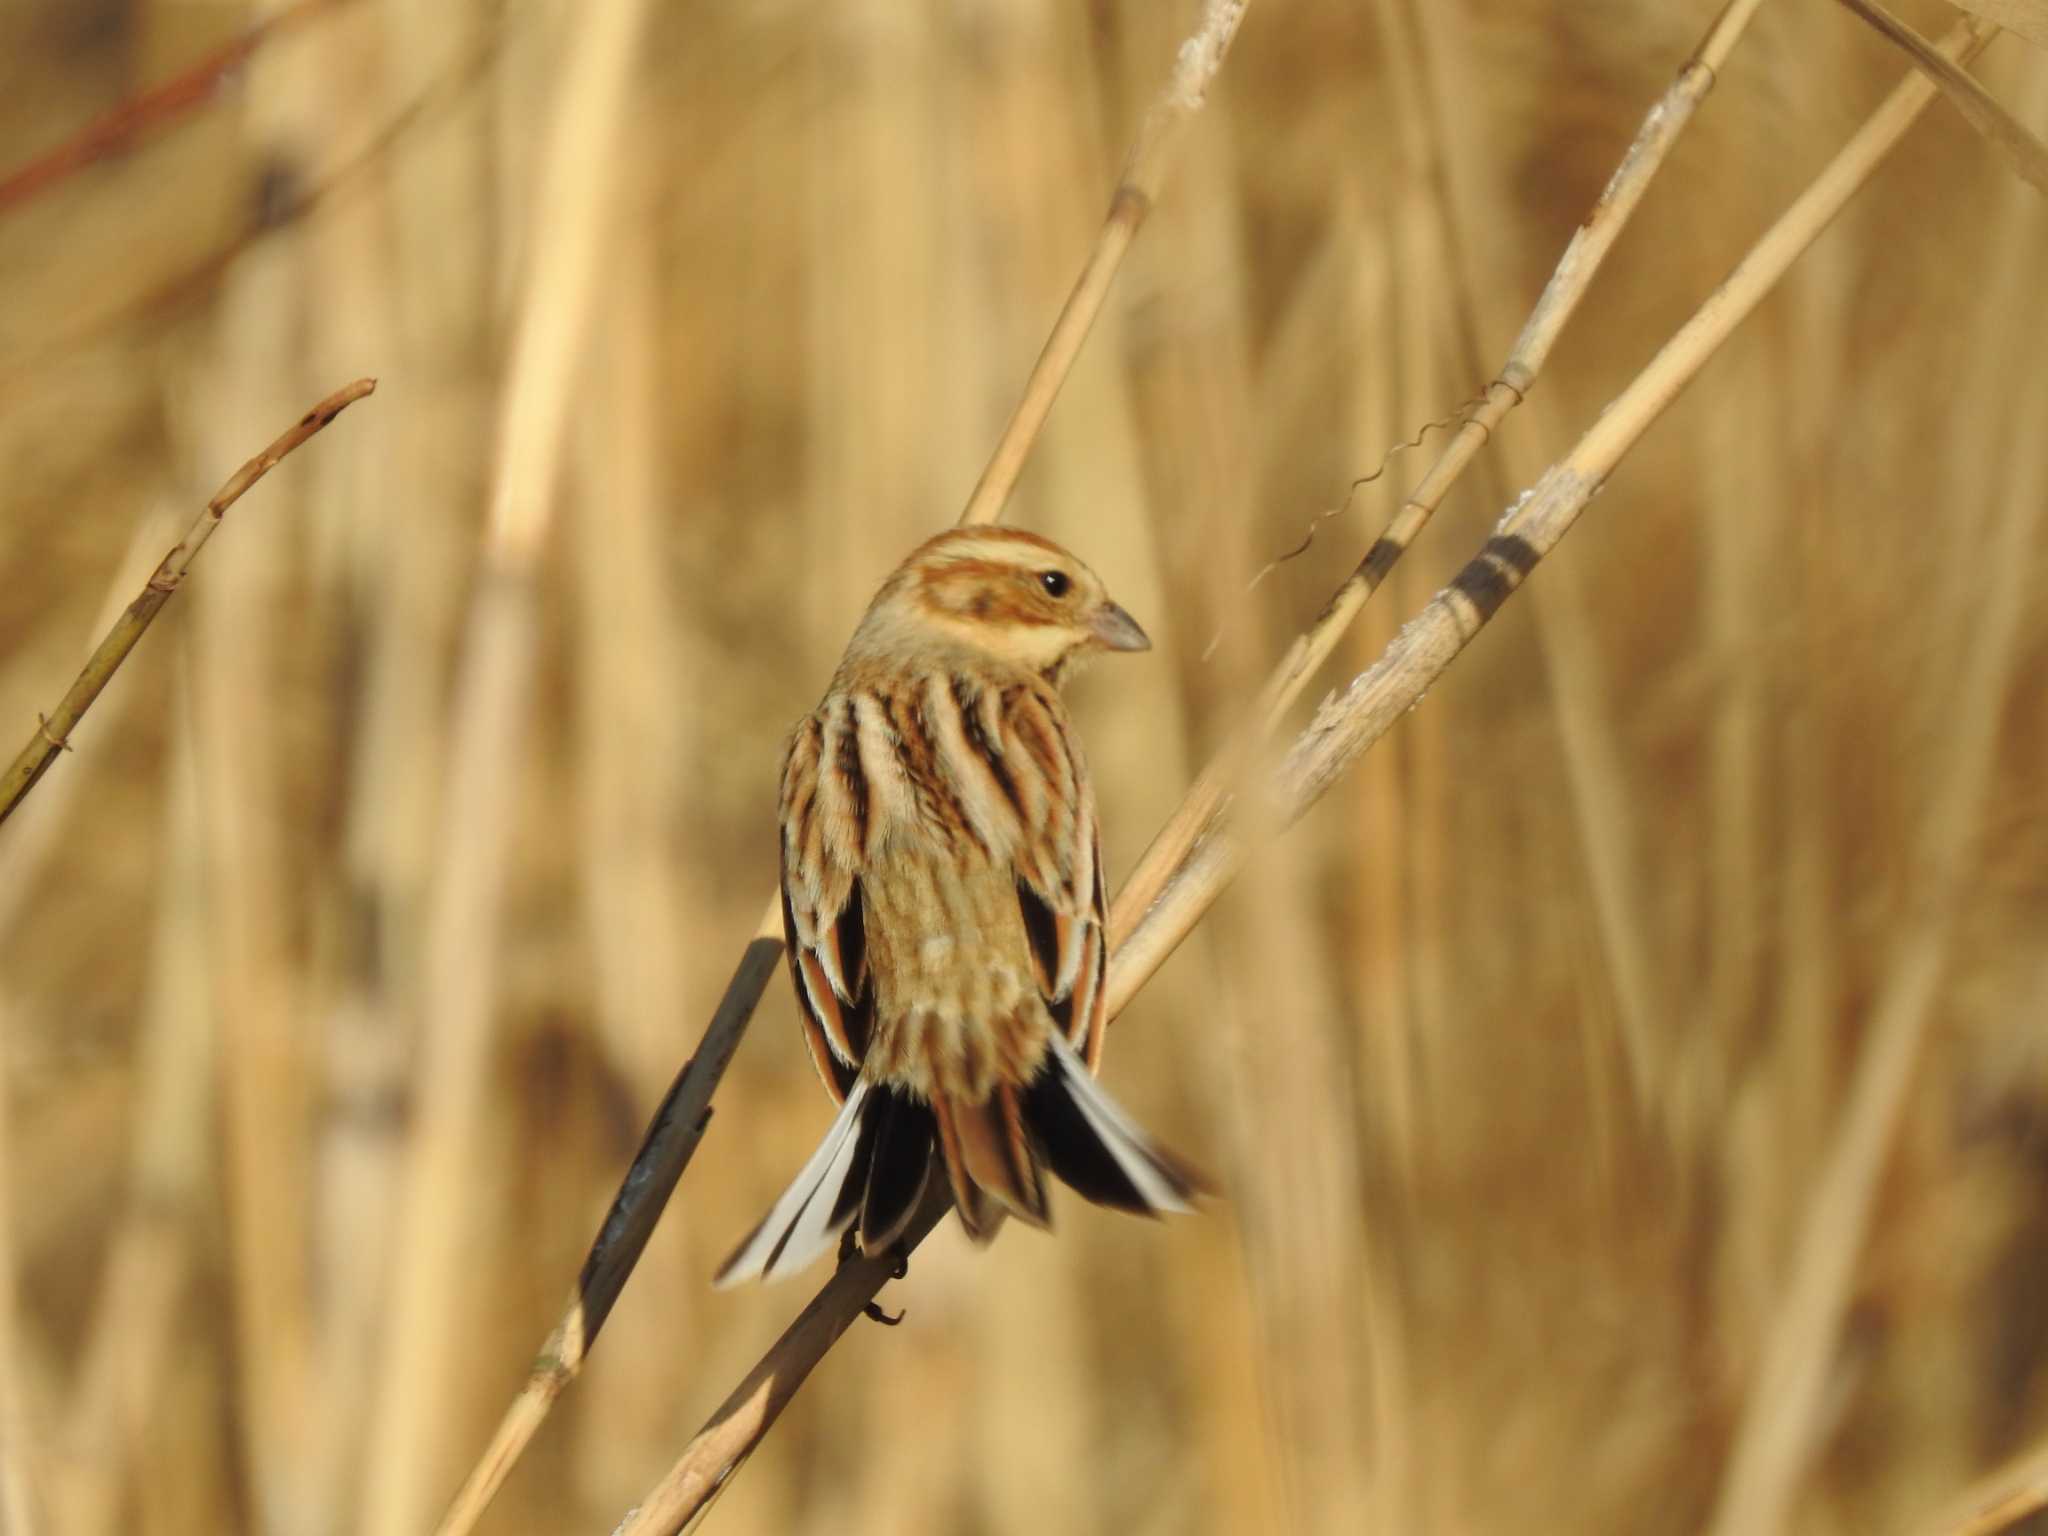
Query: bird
[[942, 903]]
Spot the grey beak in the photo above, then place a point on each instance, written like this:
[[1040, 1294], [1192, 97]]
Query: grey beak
[[1118, 631]]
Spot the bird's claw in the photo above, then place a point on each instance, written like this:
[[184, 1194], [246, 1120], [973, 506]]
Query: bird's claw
[[849, 1250]]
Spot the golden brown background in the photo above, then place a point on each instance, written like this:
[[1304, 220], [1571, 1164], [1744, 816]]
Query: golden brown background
[[1522, 1059]]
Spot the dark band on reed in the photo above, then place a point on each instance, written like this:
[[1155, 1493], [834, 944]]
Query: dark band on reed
[[1493, 573], [671, 1140]]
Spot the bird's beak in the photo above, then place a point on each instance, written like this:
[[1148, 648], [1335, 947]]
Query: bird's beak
[[1118, 631]]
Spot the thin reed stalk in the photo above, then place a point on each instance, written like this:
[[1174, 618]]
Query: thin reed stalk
[[240, 617], [1778, 1434], [1569, 282], [131, 1334], [40, 834], [1347, 725], [52, 733], [569, 216], [1603, 809], [1342, 730], [672, 1137], [1137, 188]]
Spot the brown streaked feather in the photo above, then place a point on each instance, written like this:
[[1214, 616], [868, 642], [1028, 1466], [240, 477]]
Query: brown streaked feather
[[979, 737], [1091, 991], [965, 1198], [823, 1001], [852, 780], [822, 917], [997, 1153], [837, 1073]]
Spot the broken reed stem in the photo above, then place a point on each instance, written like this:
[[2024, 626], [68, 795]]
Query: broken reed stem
[[1201, 56], [1350, 723], [52, 732], [1345, 727], [672, 1136], [1569, 281]]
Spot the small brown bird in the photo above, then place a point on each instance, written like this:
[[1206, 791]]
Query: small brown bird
[[942, 896]]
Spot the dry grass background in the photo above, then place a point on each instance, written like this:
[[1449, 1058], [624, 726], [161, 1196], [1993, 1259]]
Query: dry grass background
[[1521, 1058]]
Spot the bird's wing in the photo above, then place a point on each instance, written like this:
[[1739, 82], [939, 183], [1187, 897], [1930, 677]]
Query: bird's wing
[[1059, 866], [822, 919]]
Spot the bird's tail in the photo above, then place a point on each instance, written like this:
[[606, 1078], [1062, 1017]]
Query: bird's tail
[[876, 1159], [871, 1166], [1096, 1149], [1064, 1122]]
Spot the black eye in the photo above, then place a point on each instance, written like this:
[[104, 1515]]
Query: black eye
[[1054, 582]]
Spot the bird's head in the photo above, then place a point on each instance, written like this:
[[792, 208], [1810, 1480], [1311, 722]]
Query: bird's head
[[1004, 595]]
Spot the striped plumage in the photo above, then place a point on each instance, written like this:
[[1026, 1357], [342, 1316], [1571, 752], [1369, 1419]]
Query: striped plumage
[[943, 902]]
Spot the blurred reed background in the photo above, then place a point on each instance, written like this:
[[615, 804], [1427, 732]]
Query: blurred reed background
[[1521, 1058]]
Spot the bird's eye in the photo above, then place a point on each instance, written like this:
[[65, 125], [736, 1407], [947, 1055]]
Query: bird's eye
[[1054, 582]]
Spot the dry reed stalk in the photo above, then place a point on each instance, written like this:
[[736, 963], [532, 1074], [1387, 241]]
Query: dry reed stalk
[[876, 67], [493, 693], [1338, 737], [1769, 1162], [39, 833], [2027, 18], [369, 525], [2001, 1499], [1780, 1426], [1298, 1201], [632, 723], [1144, 172], [238, 628], [1598, 783], [52, 733], [1281, 1079], [672, 1136], [440, 249], [1347, 726], [1095, 458], [413, 562], [2026, 154], [1220, 423], [150, 112], [709, 1461], [1398, 805], [634, 744], [17, 1502], [1740, 594], [119, 1384], [665, 1151], [1569, 282], [1396, 816]]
